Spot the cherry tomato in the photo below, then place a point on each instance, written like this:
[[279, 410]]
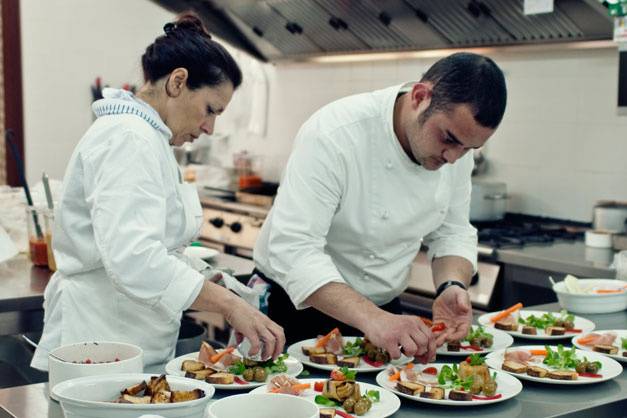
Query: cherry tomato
[[440, 326], [337, 375], [319, 386], [430, 370]]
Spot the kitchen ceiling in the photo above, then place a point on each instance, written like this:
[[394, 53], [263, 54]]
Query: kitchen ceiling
[[275, 30]]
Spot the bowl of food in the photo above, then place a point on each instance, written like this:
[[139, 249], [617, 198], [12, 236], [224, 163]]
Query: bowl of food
[[132, 395], [92, 358], [263, 405], [593, 296]]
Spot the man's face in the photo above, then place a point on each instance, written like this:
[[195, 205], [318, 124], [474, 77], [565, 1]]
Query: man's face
[[445, 136]]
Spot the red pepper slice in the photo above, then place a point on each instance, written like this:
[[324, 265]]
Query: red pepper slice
[[440, 326], [343, 414], [574, 330], [240, 381], [430, 370], [590, 375], [426, 321], [487, 398], [471, 347], [319, 386], [373, 363]]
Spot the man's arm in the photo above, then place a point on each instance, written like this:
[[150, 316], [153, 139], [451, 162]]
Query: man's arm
[[451, 268], [385, 330]]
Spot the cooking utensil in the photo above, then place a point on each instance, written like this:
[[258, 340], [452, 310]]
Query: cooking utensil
[[35, 345], [46, 183], [488, 200], [9, 136]]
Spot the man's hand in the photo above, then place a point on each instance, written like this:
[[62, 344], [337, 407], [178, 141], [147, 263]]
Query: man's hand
[[393, 332], [453, 308]]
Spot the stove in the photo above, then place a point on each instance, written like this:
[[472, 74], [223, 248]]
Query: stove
[[516, 232]]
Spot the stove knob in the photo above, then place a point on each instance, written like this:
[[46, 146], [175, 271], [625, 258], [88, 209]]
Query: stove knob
[[217, 222], [236, 227]]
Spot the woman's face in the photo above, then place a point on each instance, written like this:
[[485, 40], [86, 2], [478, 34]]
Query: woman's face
[[193, 112]]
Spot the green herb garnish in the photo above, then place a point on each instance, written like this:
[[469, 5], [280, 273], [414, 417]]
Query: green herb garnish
[[324, 401], [350, 374], [476, 360], [373, 395], [624, 343], [562, 358], [354, 349], [237, 368]]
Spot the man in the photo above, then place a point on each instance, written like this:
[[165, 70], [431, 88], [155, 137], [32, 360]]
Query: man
[[371, 178]]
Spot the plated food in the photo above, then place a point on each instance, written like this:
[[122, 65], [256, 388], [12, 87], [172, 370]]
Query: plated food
[[479, 340], [555, 365], [227, 369], [334, 350], [536, 324], [468, 383], [156, 390], [612, 343], [339, 395]]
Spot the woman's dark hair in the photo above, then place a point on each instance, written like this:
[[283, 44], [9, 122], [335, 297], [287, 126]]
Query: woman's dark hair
[[187, 44], [465, 78]]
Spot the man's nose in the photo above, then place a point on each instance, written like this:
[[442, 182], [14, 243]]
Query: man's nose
[[207, 126], [453, 154]]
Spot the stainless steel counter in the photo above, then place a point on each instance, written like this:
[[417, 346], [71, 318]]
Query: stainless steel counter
[[536, 400], [564, 257]]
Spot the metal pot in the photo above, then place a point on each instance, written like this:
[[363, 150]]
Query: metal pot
[[610, 216], [488, 201]]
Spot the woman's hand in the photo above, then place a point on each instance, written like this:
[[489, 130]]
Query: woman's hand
[[257, 327], [247, 321], [452, 308]]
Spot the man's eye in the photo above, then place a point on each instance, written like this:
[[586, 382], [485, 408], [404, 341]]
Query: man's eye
[[209, 110]]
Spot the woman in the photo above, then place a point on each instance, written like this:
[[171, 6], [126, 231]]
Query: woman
[[124, 210]]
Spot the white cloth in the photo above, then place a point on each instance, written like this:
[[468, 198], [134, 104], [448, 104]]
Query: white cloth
[[352, 207], [123, 213]]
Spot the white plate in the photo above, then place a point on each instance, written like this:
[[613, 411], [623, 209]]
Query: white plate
[[583, 324], [388, 404], [200, 252], [609, 368], [501, 340], [294, 368], [507, 385], [296, 352], [620, 333]]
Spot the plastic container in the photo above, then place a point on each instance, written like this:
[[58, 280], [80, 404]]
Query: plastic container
[[37, 246]]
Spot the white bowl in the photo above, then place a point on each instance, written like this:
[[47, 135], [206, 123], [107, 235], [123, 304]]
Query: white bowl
[[90, 397], [102, 354], [263, 405], [592, 303]]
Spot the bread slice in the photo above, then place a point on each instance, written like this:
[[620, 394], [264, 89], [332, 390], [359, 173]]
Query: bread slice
[[555, 330], [327, 413], [126, 398], [156, 385], [454, 346], [529, 330], [200, 374], [192, 365], [433, 393], [312, 350], [535, 371], [605, 349], [562, 375], [221, 378], [459, 395], [506, 326], [161, 397], [350, 362], [514, 367], [326, 358], [186, 395], [410, 388], [135, 389]]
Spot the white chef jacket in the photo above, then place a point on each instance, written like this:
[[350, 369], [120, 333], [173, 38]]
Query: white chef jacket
[[124, 212], [353, 208]]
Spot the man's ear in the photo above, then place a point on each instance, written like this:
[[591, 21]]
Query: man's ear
[[176, 82], [421, 96]]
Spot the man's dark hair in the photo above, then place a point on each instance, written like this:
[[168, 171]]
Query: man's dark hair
[[465, 78], [187, 44]]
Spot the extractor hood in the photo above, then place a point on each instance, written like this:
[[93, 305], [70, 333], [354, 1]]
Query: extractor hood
[[276, 30]]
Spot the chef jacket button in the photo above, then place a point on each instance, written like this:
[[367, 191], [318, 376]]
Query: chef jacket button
[[371, 256], [389, 165]]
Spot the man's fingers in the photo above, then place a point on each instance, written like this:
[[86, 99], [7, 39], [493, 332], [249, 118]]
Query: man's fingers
[[279, 335], [254, 342], [269, 343], [409, 346]]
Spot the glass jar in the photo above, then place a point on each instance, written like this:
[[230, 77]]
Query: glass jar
[[37, 246]]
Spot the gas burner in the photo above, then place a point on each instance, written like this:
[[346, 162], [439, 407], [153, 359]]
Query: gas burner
[[516, 234]]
